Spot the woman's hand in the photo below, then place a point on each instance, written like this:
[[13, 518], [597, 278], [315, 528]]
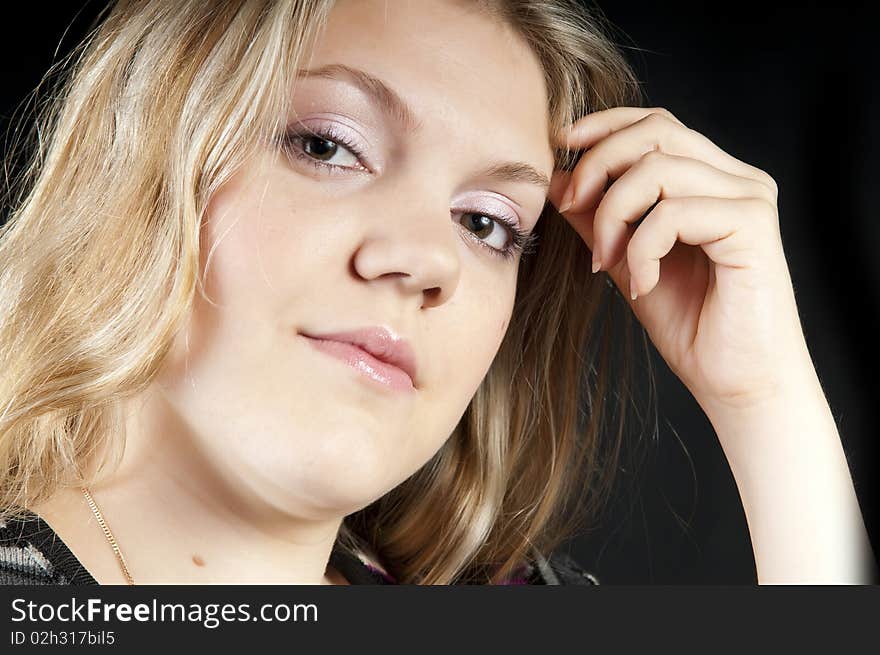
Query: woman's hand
[[720, 307]]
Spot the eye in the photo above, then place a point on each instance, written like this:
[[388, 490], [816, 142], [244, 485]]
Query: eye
[[324, 148], [495, 229]]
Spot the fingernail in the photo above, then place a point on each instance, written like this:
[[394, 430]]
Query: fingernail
[[567, 199], [632, 289], [596, 264]]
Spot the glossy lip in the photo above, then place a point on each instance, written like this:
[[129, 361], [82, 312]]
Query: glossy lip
[[376, 351]]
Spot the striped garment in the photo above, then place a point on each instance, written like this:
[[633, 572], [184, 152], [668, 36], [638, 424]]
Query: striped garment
[[31, 553]]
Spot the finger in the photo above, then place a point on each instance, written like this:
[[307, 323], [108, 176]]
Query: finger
[[729, 231], [611, 157], [581, 222], [593, 127], [654, 177], [559, 182]]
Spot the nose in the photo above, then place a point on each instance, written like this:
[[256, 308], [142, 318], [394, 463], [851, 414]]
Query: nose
[[414, 247]]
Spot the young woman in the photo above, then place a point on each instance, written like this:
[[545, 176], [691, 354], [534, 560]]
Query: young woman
[[303, 284]]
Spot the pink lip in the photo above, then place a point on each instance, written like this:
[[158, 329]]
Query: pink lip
[[375, 352]]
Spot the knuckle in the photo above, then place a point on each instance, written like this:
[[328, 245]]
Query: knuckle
[[765, 209], [635, 247], [764, 192], [662, 208], [763, 177], [650, 158], [603, 210], [664, 114], [640, 243], [660, 126], [657, 118]]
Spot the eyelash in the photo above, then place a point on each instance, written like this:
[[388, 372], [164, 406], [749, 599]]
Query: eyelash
[[521, 242]]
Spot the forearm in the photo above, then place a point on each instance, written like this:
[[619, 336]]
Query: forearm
[[797, 492]]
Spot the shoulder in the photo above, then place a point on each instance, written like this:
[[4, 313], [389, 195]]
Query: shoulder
[[569, 571], [31, 553], [557, 568]]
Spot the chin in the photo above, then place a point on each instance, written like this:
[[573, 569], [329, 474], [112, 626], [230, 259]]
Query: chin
[[328, 481]]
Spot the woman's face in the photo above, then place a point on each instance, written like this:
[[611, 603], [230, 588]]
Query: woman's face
[[323, 240]]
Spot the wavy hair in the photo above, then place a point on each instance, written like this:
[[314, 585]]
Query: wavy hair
[[99, 263]]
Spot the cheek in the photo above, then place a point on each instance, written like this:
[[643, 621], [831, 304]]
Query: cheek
[[480, 331], [229, 244], [502, 329], [254, 245], [503, 308]]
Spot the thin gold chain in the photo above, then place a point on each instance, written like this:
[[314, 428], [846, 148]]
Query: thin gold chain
[[108, 534]]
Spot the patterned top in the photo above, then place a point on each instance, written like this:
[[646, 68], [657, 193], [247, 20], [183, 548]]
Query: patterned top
[[32, 553]]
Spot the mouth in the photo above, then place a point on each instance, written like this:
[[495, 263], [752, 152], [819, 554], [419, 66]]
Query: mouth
[[373, 368]]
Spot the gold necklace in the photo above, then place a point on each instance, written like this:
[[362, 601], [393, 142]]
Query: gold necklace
[[110, 538]]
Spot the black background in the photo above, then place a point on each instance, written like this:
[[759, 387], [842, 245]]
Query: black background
[[787, 88]]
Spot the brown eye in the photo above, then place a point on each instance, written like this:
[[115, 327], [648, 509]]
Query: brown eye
[[319, 148], [480, 224], [482, 228], [324, 149]]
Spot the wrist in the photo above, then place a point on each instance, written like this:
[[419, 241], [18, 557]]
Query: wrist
[[799, 397], [793, 478]]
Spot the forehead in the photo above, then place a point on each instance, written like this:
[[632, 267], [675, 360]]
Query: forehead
[[461, 72]]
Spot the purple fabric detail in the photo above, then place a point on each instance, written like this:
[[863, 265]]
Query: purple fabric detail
[[519, 580], [521, 577], [380, 572]]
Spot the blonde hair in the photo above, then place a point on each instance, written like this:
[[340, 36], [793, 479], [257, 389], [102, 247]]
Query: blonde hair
[[99, 264]]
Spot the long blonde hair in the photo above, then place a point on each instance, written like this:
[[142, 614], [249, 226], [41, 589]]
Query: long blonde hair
[[99, 264]]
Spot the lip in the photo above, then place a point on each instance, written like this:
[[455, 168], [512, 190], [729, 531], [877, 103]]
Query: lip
[[377, 351]]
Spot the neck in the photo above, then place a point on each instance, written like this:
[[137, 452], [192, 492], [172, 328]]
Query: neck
[[179, 519]]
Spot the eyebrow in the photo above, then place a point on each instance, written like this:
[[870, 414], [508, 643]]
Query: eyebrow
[[391, 103]]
